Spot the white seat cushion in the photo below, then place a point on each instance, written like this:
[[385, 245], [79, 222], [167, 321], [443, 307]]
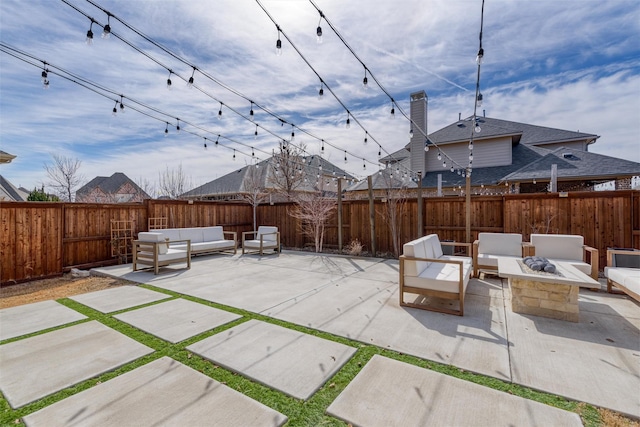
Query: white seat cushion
[[172, 254], [558, 246], [443, 277], [492, 260], [171, 233], [500, 244], [627, 277], [267, 231], [156, 237], [255, 244], [193, 234]]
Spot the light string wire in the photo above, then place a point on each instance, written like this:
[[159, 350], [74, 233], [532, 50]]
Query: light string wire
[[215, 80], [479, 59], [323, 82], [368, 71], [100, 90]]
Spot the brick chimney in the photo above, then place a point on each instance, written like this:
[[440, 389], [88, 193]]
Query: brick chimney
[[418, 114]]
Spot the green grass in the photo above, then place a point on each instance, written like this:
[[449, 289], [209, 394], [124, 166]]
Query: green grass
[[300, 413]]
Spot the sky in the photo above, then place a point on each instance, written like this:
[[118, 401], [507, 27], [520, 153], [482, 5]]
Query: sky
[[566, 64]]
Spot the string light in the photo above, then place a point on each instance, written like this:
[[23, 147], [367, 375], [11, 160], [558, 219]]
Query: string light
[[106, 30], [251, 111], [322, 148], [411, 132], [348, 123], [44, 75], [345, 157], [392, 113], [169, 80], [220, 112], [121, 104], [255, 134], [321, 91], [471, 145], [364, 164], [479, 100], [426, 146], [366, 134], [278, 42], [234, 154], [319, 29], [217, 140], [178, 125], [444, 164], [89, 39], [166, 130], [253, 154], [365, 81], [205, 143], [480, 56], [293, 134], [439, 155], [190, 82], [115, 109]]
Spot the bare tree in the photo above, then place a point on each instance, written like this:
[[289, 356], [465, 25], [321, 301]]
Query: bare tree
[[395, 207], [253, 191], [147, 186], [173, 183], [64, 176], [313, 209], [288, 170]]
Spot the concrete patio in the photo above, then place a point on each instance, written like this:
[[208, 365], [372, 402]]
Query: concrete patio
[[596, 360]]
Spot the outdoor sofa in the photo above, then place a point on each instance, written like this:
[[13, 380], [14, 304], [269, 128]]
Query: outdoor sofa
[[203, 239], [265, 237], [491, 246], [425, 271], [566, 247], [152, 249], [627, 278]]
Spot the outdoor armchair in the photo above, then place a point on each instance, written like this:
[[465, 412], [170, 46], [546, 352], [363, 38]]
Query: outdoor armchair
[[266, 237]]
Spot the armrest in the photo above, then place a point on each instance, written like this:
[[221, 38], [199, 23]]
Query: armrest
[[528, 249], [276, 233], [594, 260], [612, 252], [245, 233], [232, 233], [444, 261], [466, 245]]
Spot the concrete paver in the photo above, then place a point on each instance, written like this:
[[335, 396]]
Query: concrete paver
[[163, 392], [30, 318], [361, 303], [44, 364], [120, 298], [389, 393], [176, 320], [293, 362]]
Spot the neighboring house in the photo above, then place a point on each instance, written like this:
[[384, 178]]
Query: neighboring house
[[8, 192], [118, 188], [309, 173], [508, 157]]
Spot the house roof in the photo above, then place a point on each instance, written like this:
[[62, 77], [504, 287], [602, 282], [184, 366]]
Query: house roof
[[109, 185], [9, 192], [519, 132], [6, 157], [236, 181]]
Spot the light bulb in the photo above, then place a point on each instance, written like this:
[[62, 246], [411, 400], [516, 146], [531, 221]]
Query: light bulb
[[278, 47], [114, 111], [348, 124], [534, 180], [444, 164], [345, 157], [89, 39], [178, 127], [121, 107], [479, 100], [190, 82], [478, 128], [392, 114], [106, 30], [45, 84], [480, 56], [452, 169], [471, 146], [320, 92], [471, 157], [251, 114], [255, 134], [365, 82], [166, 130], [426, 147], [43, 76], [439, 156], [319, 34], [365, 137], [234, 155], [411, 133], [220, 112]]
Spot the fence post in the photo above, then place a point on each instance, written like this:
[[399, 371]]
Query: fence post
[[372, 216], [468, 208], [420, 220], [339, 214]]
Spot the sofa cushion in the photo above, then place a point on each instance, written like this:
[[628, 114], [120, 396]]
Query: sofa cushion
[[149, 236], [500, 244], [171, 233], [211, 234], [415, 249], [627, 277], [558, 246], [267, 230], [489, 260], [443, 277], [434, 242], [207, 246], [172, 254], [255, 244], [193, 234]]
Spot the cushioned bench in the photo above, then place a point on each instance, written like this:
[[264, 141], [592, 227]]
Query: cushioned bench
[[203, 239], [152, 249], [491, 246], [569, 248], [425, 271], [627, 279]]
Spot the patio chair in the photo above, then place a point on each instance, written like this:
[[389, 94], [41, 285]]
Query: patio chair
[[569, 248], [491, 246], [153, 249], [266, 237], [623, 271]]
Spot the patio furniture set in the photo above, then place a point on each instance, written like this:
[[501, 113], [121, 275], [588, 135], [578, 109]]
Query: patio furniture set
[[168, 246], [427, 273]]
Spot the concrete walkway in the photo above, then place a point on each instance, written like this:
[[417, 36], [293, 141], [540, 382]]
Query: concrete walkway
[[596, 360]]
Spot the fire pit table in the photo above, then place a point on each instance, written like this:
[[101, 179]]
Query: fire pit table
[[553, 295]]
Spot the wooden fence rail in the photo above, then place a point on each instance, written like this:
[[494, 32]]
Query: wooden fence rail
[[40, 239]]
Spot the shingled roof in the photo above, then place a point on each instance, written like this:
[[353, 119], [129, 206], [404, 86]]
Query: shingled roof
[[236, 181], [108, 185]]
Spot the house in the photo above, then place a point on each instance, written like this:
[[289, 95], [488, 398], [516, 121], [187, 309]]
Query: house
[[118, 188], [8, 192], [507, 157], [281, 176]]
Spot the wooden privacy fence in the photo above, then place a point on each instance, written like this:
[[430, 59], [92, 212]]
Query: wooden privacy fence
[[41, 239]]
